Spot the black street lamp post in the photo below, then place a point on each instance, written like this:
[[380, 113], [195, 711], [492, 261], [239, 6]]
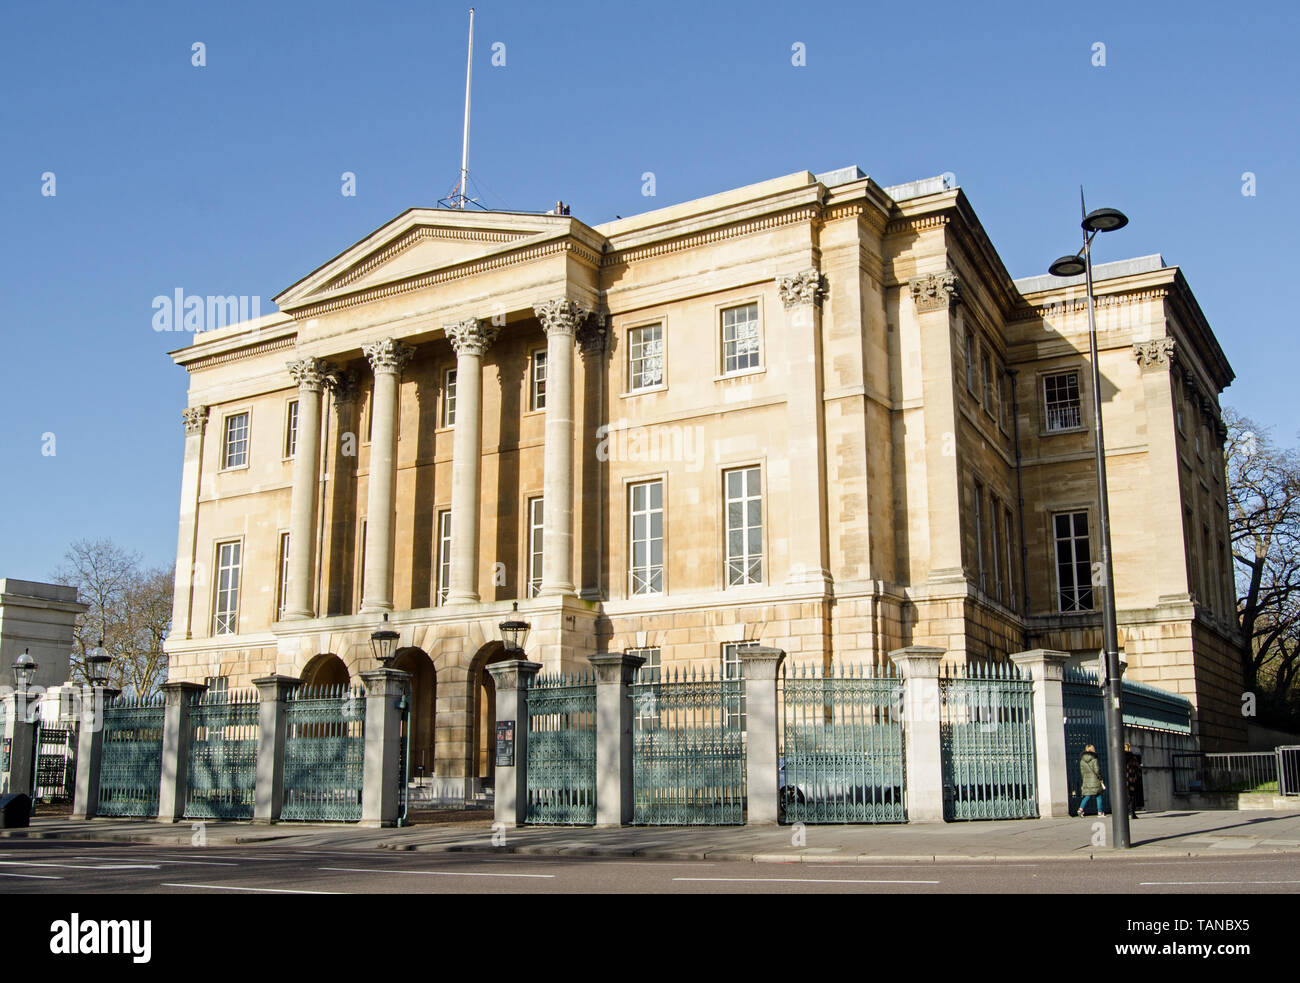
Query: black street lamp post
[[1104, 220]]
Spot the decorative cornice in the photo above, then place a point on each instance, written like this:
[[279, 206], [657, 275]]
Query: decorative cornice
[[1159, 351], [472, 336], [593, 335], [917, 223], [801, 289], [387, 355], [764, 224], [266, 347], [1058, 306], [345, 384], [561, 316], [446, 275], [934, 291], [196, 418], [311, 374]]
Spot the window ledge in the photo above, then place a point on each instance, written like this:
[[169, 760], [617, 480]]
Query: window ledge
[[1064, 430], [645, 391], [233, 467], [743, 374]]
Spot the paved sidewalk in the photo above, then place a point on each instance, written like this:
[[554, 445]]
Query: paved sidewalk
[[1155, 835]]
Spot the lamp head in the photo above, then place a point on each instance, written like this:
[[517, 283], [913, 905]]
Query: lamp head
[[1067, 266], [514, 632], [1104, 220], [383, 643], [24, 670]]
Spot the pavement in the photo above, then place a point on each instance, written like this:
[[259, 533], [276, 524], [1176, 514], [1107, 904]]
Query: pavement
[[1155, 835]]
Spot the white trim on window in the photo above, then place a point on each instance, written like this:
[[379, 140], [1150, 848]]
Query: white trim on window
[[537, 381], [1073, 555], [225, 598], [536, 538], [236, 439], [444, 555], [646, 537], [742, 495]]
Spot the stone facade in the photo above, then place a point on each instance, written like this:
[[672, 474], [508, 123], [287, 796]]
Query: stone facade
[[816, 333]]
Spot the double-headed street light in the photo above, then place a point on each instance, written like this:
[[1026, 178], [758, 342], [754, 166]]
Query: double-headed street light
[[1103, 220]]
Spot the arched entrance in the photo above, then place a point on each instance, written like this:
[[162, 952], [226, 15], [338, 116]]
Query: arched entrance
[[326, 669], [424, 702], [485, 720]]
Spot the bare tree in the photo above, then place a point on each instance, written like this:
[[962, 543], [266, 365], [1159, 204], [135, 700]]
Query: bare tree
[[130, 613], [1263, 483]]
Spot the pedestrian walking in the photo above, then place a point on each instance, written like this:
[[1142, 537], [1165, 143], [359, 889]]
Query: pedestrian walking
[[1090, 783], [1132, 779]]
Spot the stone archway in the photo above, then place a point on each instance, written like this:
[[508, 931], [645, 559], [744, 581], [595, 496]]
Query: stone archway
[[483, 722], [326, 669], [424, 703]]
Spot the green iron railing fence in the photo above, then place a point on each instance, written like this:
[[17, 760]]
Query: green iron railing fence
[[841, 746], [56, 762], [130, 766], [688, 750], [562, 750], [1233, 771], [324, 753], [987, 742], [1152, 708], [1085, 723], [221, 776]]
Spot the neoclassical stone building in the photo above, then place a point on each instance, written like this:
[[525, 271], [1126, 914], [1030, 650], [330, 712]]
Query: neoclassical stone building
[[804, 413]]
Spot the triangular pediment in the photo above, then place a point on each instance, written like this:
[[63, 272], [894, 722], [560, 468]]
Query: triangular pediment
[[418, 241]]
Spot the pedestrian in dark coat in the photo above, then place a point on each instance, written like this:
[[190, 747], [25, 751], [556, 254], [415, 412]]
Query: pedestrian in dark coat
[[1090, 781], [1133, 780]]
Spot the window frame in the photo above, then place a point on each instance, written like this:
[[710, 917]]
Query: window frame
[[978, 520], [291, 414], [226, 417], [648, 513], [1074, 561], [282, 577], [720, 312], [745, 557], [630, 365], [536, 544], [735, 706], [227, 617], [442, 582], [447, 399], [536, 393], [1047, 428]]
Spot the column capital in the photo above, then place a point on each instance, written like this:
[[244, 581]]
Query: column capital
[[311, 374], [385, 682], [1160, 351], [196, 419], [759, 662], [1045, 664], [514, 673], [560, 316], [345, 384], [802, 288], [593, 336], [387, 355], [918, 661], [934, 291], [615, 667], [472, 336]]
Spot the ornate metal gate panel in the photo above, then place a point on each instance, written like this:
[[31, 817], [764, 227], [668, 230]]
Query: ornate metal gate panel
[[987, 735], [56, 761], [688, 751], [842, 746], [130, 769], [562, 750], [324, 753], [1085, 723], [222, 772]]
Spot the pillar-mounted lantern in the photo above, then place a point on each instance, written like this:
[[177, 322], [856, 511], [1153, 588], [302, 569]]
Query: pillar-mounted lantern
[[383, 643], [97, 663], [24, 670], [514, 632]]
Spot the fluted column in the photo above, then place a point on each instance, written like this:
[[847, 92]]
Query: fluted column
[[560, 320], [189, 575], [470, 339], [310, 375], [386, 359]]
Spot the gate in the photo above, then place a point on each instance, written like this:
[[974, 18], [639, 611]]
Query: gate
[[130, 766], [688, 751], [222, 772], [842, 746], [987, 739], [1085, 723], [324, 753], [1288, 769], [56, 763], [562, 750]]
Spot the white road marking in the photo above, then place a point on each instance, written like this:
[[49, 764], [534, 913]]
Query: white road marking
[[259, 890], [1187, 883], [432, 873], [35, 877], [795, 880], [160, 860], [35, 863]]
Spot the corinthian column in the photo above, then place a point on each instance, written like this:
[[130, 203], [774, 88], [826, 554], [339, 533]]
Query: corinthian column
[[560, 320], [386, 359], [801, 294], [310, 375], [187, 572], [470, 339]]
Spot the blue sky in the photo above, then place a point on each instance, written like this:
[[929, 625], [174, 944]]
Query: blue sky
[[225, 179]]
